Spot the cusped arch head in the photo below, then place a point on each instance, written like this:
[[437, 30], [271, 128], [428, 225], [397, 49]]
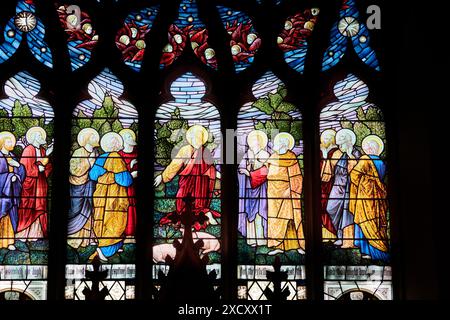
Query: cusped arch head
[[188, 88], [105, 90], [22, 85], [23, 88], [268, 83], [105, 83], [351, 89]]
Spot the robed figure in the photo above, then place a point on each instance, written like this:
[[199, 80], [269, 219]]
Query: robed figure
[[368, 201], [284, 189], [327, 147], [129, 155], [12, 174], [82, 188], [33, 199], [110, 196], [197, 175], [338, 168], [252, 177]]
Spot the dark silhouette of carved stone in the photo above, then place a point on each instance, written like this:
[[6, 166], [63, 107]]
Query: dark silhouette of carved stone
[[277, 277], [94, 294], [187, 279]]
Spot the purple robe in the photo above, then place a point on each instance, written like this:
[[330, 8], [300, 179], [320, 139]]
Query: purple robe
[[252, 201], [339, 198]]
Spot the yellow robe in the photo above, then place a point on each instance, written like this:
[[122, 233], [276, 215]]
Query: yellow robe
[[368, 203], [110, 203], [79, 167], [284, 189], [6, 229], [6, 232]]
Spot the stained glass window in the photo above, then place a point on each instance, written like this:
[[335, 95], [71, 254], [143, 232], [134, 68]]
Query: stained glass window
[[354, 206], [187, 165], [271, 219], [220, 65], [103, 167], [26, 142]]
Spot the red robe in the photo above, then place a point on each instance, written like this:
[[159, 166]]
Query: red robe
[[131, 191], [197, 180], [326, 189], [33, 198]]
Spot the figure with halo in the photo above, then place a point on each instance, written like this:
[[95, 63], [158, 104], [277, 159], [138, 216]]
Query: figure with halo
[[338, 170], [12, 174], [327, 147], [82, 188], [110, 196], [129, 155], [368, 201], [284, 190], [194, 165], [32, 223], [253, 190]]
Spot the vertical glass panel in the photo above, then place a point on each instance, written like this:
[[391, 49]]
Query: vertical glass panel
[[103, 167], [271, 218], [26, 145], [354, 206], [187, 164]]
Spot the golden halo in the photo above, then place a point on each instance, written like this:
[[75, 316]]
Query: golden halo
[[260, 136], [284, 135], [5, 135], [34, 130], [123, 132], [195, 131], [377, 140], [346, 132], [328, 132], [84, 134], [107, 142]]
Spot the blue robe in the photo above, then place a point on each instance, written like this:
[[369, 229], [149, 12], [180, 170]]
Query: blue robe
[[338, 203], [81, 205]]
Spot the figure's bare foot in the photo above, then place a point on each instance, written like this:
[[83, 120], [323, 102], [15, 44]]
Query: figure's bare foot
[[274, 252], [101, 255], [11, 247], [211, 220]]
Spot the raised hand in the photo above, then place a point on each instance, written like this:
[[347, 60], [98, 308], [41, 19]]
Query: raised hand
[[158, 180]]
